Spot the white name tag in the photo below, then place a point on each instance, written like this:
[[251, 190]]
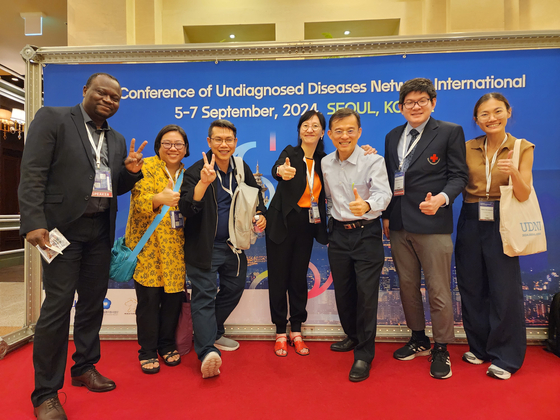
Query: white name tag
[[486, 211]]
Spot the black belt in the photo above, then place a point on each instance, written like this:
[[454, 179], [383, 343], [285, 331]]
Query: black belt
[[354, 224], [94, 215]]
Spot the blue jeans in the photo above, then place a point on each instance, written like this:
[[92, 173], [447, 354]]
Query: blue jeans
[[210, 307]]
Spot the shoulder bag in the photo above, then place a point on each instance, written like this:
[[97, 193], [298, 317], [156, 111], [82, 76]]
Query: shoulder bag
[[521, 223], [123, 259]]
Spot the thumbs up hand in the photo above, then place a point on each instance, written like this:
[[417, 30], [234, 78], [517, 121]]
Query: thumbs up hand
[[431, 204], [507, 166], [359, 206], [167, 197], [286, 171]]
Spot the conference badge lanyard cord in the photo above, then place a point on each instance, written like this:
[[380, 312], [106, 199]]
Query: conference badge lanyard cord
[[102, 186], [314, 215], [486, 207], [399, 175], [177, 220]]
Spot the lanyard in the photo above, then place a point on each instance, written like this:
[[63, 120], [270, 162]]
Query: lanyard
[[173, 179], [489, 166], [229, 191], [410, 149], [97, 148], [310, 177]]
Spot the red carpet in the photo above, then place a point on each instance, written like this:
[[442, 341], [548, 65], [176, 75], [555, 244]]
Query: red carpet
[[256, 384]]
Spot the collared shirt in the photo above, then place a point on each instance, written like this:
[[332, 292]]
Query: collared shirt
[[224, 202], [407, 137], [365, 173], [97, 204], [476, 161]]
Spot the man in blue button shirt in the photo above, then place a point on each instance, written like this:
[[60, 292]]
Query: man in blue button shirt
[[206, 196]]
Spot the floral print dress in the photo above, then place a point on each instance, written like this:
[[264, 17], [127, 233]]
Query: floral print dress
[[161, 262]]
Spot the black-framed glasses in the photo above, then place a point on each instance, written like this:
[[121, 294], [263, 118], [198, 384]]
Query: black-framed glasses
[[218, 140], [168, 145], [410, 104]]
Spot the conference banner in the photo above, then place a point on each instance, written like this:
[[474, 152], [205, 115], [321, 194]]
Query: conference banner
[[264, 99]]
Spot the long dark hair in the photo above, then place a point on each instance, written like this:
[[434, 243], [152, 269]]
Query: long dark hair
[[306, 116]]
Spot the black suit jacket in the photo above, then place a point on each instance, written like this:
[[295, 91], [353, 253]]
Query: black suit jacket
[[438, 165], [58, 170], [288, 194]]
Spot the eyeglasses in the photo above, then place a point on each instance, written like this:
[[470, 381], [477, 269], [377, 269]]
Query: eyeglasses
[[485, 116], [218, 140], [167, 145], [340, 133], [314, 127], [410, 104]]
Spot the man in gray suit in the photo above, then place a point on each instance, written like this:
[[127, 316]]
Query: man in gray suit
[[427, 169], [73, 167]]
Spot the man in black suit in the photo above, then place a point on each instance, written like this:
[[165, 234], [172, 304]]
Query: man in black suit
[[426, 165], [73, 167]]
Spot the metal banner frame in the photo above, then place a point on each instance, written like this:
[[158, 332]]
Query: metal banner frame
[[35, 58]]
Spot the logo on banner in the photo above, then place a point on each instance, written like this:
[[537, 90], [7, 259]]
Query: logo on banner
[[130, 306]]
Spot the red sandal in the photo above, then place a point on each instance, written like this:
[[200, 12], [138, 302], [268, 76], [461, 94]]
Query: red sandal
[[297, 342], [281, 345]]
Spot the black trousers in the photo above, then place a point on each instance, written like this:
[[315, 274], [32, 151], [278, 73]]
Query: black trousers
[[356, 258], [83, 268], [491, 291], [288, 265], [157, 314]]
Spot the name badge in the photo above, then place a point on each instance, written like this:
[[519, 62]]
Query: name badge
[[102, 184], [399, 183], [486, 211], [177, 220], [314, 215]]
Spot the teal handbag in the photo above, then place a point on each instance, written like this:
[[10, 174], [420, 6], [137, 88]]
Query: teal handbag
[[123, 259]]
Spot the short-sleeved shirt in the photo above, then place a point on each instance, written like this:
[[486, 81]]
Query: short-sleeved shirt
[[476, 161]]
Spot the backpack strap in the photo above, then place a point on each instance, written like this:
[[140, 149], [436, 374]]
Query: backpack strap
[[239, 169]]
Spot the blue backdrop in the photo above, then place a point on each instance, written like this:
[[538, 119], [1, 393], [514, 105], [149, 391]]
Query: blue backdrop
[[265, 98]]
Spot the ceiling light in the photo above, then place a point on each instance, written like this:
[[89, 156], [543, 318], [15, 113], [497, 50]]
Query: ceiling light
[[232, 36], [346, 32]]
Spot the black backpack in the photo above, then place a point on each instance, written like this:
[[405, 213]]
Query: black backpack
[[553, 341]]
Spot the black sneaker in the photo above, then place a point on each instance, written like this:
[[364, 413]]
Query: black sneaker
[[441, 365], [412, 349]]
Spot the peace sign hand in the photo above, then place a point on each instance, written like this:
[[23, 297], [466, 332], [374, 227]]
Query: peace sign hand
[[207, 173], [134, 161]]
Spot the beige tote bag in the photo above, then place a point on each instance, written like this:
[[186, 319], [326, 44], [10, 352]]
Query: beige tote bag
[[521, 224]]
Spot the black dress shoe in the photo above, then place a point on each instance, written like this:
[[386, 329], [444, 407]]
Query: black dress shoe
[[359, 371], [345, 345], [94, 381]]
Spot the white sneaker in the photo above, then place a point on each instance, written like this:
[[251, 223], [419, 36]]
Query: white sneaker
[[469, 357], [211, 365], [226, 344], [498, 373]]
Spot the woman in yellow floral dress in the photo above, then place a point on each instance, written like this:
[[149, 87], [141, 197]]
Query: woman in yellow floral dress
[[159, 278]]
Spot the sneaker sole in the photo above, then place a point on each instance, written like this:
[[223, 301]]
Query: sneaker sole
[[412, 356], [442, 377], [211, 366], [224, 348], [496, 375], [472, 361]]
